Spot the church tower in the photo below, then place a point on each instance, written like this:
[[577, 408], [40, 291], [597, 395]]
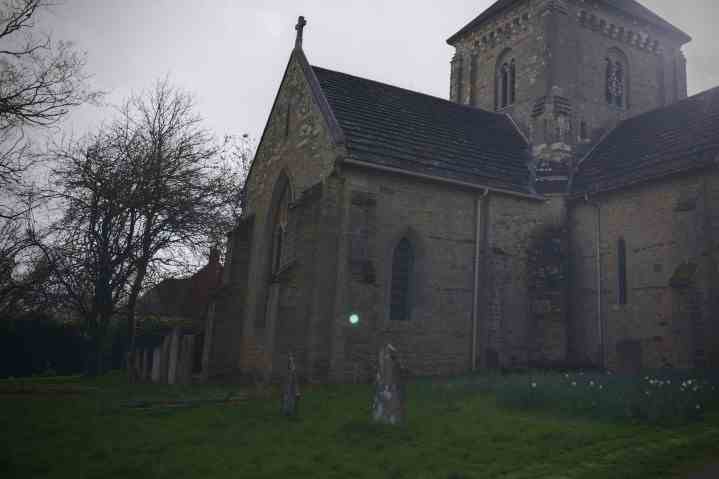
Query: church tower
[[567, 71]]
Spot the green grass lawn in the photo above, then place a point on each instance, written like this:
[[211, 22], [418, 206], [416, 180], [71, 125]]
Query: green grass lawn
[[78, 428]]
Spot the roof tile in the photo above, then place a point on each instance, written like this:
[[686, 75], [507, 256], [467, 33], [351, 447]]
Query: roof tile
[[679, 137], [398, 128]]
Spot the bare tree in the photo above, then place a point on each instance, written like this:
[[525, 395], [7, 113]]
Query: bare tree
[[94, 240], [23, 269], [188, 193], [40, 81], [144, 190], [237, 154]]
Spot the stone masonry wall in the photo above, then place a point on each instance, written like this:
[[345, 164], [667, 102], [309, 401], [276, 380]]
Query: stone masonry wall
[[439, 220], [511, 324], [296, 143], [671, 256]]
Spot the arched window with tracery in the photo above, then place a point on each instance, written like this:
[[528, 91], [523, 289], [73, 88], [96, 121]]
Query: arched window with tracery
[[512, 81], [403, 260], [506, 80], [280, 221], [616, 81]]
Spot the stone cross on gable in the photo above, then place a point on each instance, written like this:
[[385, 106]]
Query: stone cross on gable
[[300, 27]]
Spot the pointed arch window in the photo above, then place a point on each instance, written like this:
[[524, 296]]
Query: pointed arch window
[[506, 82], [621, 271], [512, 81], [616, 82], [402, 276], [281, 244], [504, 86]]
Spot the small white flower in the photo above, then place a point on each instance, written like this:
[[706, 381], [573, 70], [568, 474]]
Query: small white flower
[[591, 384], [534, 385], [601, 387], [574, 383], [699, 406]]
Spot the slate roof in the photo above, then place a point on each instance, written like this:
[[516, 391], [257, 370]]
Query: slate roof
[[401, 129], [630, 7], [673, 139]]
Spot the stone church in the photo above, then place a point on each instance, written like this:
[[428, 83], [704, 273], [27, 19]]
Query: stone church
[[560, 210]]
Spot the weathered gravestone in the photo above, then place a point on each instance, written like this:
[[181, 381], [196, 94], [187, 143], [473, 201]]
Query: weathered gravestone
[[291, 390], [388, 404], [173, 360]]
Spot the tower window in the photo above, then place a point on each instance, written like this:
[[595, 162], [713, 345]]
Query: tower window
[[615, 82], [512, 81], [505, 86], [506, 83], [402, 273]]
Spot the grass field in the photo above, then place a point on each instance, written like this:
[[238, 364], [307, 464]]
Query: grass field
[[79, 428]]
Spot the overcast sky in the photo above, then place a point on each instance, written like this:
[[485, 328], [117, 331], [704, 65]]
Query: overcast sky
[[232, 53]]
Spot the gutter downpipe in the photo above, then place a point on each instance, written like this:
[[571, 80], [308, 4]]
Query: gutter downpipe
[[475, 291], [597, 249]]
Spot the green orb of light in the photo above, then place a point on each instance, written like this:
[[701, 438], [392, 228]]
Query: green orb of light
[[354, 318]]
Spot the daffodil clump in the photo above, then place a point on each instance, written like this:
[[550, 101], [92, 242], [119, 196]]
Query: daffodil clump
[[659, 398]]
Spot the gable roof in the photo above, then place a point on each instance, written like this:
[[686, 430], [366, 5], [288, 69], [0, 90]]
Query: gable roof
[[398, 129], [630, 7], [673, 139]]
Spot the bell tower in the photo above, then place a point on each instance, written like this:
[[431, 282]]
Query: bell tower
[[567, 72]]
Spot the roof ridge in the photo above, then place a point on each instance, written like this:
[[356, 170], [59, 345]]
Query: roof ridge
[[413, 92]]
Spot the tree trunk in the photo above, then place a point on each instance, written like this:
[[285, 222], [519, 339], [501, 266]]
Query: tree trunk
[[132, 321]]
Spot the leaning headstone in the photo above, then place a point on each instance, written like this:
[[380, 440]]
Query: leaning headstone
[[388, 404], [174, 356], [291, 390]]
